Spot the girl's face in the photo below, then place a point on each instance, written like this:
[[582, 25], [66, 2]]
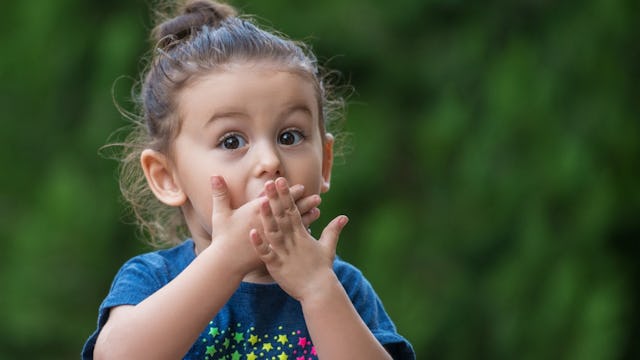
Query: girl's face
[[249, 123]]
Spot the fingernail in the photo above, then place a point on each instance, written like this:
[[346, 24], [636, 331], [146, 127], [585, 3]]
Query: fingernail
[[270, 186], [216, 181], [282, 183]]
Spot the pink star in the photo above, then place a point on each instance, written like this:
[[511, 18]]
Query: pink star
[[313, 351], [300, 358], [302, 341]]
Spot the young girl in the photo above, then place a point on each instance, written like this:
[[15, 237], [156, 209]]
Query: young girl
[[233, 140]]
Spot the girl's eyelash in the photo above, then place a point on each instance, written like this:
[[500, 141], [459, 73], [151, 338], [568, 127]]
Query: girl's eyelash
[[226, 136], [299, 131]]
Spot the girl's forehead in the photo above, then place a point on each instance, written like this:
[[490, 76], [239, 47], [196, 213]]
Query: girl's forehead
[[249, 85], [244, 76]]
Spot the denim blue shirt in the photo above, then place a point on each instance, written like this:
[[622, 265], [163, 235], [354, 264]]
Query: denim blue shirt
[[260, 321]]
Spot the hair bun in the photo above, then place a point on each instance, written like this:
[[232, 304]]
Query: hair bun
[[192, 16]]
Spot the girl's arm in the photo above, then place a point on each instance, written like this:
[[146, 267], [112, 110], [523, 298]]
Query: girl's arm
[[303, 267], [335, 326], [166, 324]]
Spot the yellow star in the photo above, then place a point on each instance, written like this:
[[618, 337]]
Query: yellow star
[[253, 339], [283, 339], [267, 346], [283, 356], [251, 356]]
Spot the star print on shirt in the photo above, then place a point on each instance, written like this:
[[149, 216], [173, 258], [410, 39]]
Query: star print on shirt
[[238, 342], [238, 337], [211, 350], [302, 341], [214, 331], [253, 339], [282, 339]]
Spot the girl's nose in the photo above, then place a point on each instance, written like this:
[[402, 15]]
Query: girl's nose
[[268, 162]]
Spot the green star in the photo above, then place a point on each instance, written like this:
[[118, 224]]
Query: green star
[[214, 331], [226, 343], [211, 350], [238, 337], [235, 355]]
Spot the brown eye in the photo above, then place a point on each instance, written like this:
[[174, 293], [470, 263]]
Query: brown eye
[[290, 137], [232, 142]]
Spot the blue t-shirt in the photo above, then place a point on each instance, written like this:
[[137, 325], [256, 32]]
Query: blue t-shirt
[[260, 321]]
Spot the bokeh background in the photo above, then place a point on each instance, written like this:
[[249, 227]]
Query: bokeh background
[[492, 177]]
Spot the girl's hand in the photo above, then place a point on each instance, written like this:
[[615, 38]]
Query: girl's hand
[[297, 262], [307, 206], [229, 227]]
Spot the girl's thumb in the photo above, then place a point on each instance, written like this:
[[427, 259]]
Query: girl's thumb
[[331, 233]]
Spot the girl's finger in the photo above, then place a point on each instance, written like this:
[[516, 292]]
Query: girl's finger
[[261, 247], [310, 217], [288, 213], [220, 195], [272, 195], [271, 228], [331, 233], [297, 191], [284, 197], [308, 203], [308, 208]]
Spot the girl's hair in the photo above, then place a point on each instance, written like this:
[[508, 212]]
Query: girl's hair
[[201, 36]]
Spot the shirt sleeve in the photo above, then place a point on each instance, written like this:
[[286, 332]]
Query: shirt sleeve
[[372, 312], [136, 280]]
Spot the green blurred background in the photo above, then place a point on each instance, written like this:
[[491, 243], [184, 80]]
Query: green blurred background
[[492, 181]]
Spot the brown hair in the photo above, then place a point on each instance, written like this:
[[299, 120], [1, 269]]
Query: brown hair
[[200, 36]]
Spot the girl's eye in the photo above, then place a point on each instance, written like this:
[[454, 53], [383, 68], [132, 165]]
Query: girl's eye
[[232, 142], [290, 137]]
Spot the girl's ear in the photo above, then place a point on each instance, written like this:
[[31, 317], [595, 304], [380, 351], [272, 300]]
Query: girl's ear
[[160, 178], [327, 162]]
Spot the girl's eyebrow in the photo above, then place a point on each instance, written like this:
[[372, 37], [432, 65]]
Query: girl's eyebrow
[[236, 114], [296, 108], [225, 114]]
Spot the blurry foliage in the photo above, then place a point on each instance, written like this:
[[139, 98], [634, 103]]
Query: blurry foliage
[[492, 186]]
